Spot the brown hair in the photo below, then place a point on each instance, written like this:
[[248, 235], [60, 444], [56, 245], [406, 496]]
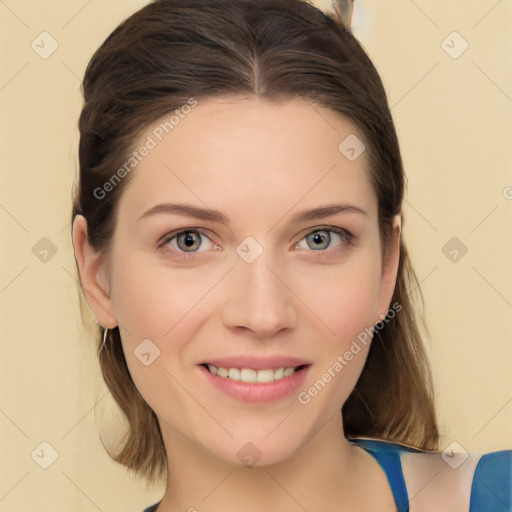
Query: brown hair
[[174, 50]]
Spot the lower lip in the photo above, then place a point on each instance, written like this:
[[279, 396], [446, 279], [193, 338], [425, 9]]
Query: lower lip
[[256, 392]]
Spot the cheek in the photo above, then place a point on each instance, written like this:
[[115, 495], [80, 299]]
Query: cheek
[[346, 298], [166, 306], [151, 299]]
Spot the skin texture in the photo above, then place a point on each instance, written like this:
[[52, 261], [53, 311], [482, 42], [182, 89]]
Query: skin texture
[[260, 164]]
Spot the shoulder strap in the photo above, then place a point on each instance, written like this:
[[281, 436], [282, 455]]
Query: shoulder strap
[[388, 457], [492, 485]]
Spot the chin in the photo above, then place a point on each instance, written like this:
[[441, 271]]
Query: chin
[[256, 451]]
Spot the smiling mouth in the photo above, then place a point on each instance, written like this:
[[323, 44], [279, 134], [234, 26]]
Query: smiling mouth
[[251, 375]]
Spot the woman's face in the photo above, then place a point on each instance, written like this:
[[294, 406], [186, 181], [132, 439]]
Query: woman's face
[[252, 265]]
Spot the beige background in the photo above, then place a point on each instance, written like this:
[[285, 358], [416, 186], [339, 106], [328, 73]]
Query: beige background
[[454, 119]]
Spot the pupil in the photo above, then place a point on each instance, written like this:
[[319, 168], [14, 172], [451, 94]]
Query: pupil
[[321, 238], [189, 240]]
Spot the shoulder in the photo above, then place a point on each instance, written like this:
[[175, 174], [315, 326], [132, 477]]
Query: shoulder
[[492, 485], [449, 480]]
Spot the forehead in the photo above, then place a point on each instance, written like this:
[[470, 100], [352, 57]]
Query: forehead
[[252, 155]]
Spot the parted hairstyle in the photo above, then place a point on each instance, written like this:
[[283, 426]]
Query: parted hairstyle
[[170, 51]]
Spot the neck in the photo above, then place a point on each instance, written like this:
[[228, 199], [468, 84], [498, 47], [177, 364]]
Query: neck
[[324, 471]]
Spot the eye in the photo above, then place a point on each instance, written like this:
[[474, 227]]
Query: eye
[[188, 241], [324, 238]]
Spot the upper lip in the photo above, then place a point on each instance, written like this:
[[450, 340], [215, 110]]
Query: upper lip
[[257, 363]]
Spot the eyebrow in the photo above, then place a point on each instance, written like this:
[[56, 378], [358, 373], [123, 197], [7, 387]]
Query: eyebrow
[[221, 218]]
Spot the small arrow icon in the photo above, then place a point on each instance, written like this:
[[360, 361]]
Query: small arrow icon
[[454, 249], [44, 45], [249, 249], [351, 147], [44, 455], [44, 250], [146, 352], [454, 45], [249, 455], [454, 455]]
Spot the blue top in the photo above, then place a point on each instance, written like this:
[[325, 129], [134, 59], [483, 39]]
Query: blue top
[[491, 489]]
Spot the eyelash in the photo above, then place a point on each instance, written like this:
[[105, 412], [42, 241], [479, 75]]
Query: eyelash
[[347, 240]]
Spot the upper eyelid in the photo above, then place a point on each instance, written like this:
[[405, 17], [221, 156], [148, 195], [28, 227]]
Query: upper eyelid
[[165, 239]]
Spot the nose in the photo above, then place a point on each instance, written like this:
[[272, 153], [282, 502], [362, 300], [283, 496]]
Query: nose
[[258, 300]]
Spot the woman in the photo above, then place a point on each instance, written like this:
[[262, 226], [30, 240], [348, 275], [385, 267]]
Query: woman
[[237, 230]]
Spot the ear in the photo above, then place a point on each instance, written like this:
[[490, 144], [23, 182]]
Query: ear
[[390, 270], [93, 274]]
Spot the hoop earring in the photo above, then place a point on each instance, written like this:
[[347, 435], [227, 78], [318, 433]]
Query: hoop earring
[[104, 338]]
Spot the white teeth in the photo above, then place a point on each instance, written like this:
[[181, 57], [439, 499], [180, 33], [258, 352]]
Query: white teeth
[[288, 371], [234, 373], [250, 375], [278, 374], [265, 376], [222, 372]]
